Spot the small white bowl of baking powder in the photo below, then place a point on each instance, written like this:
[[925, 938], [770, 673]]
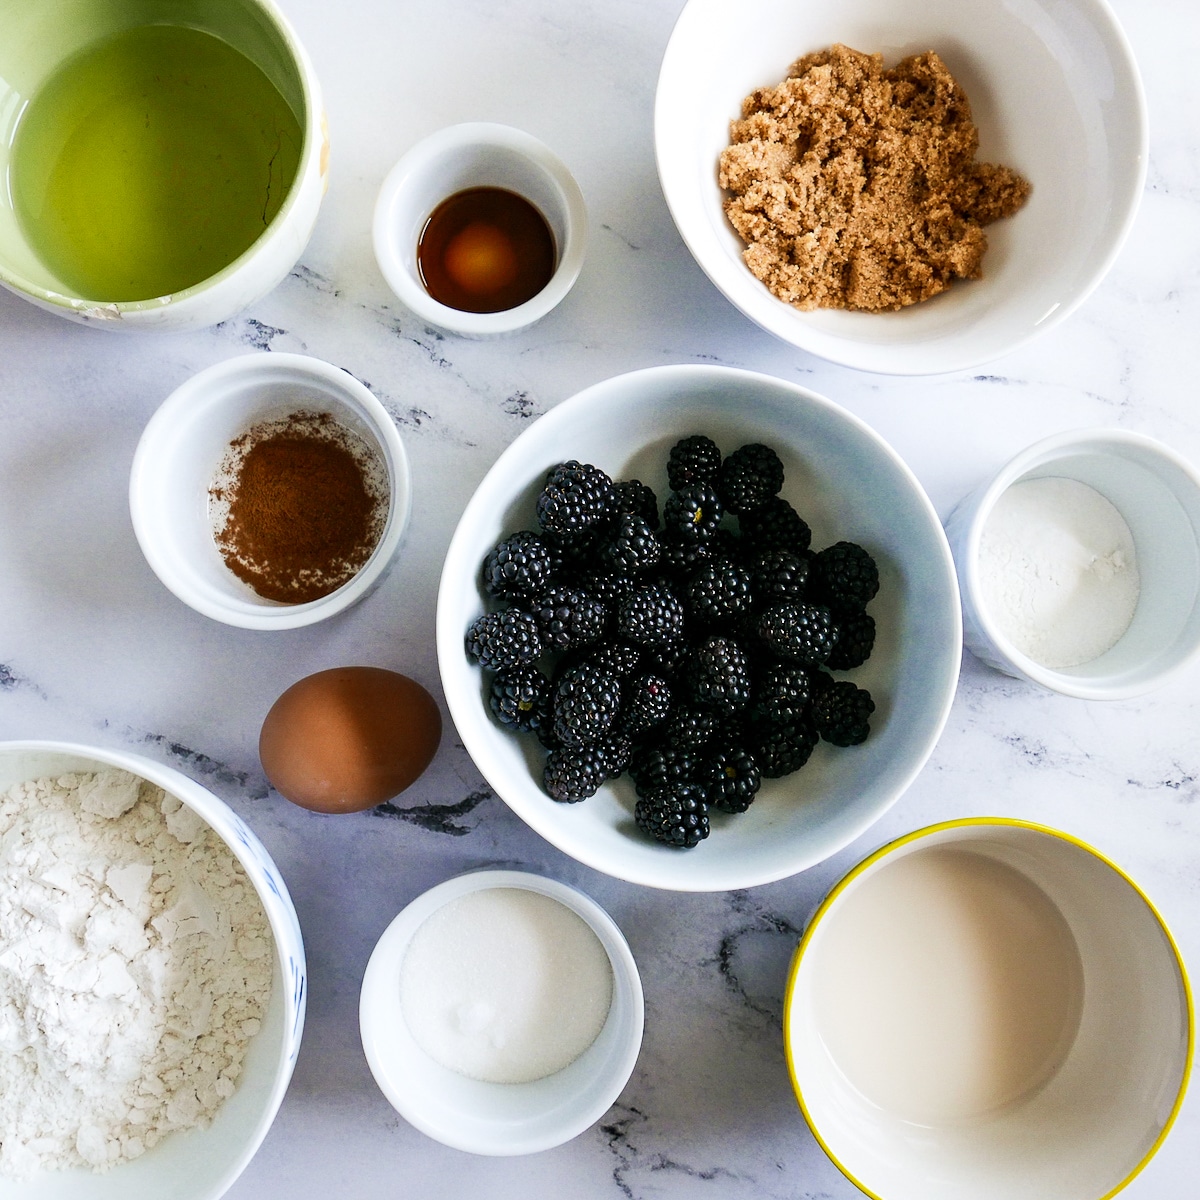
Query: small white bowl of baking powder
[[1079, 564], [501, 1012]]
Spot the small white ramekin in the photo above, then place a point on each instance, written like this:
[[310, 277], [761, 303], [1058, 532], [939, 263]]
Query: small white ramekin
[[477, 154], [498, 1118], [182, 447], [1158, 494]]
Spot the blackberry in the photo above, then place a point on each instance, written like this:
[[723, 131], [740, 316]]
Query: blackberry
[[781, 749], [574, 774], [855, 641], [668, 660], [691, 729], [631, 546], [730, 779], [783, 693], [504, 639], [655, 767], [749, 477], [841, 714], [586, 703], [845, 576], [719, 591], [676, 816], [519, 566], [609, 587], [615, 752], [801, 632], [682, 556], [633, 496], [779, 575], [572, 556], [693, 512], [576, 497], [617, 658], [569, 617], [650, 615], [719, 675], [775, 525], [647, 701], [520, 698], [695, 459]]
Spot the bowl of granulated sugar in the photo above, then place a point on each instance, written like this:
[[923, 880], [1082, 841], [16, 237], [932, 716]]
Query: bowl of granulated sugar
[[1079, 564], [501, 1012], [153, 984]]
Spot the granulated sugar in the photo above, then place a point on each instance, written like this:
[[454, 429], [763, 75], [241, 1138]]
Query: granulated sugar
[[1058, 571], [135, 966], [505, 985]]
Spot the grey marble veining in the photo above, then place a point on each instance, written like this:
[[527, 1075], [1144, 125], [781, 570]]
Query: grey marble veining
[[93, 648]]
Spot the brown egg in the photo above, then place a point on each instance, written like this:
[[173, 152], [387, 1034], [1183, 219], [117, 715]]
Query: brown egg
[[350, 738]]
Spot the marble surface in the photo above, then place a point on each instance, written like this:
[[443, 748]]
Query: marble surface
[[93, 648]]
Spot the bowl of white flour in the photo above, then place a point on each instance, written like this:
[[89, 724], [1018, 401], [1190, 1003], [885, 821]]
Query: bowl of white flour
[[152, 981], [1079, 564]]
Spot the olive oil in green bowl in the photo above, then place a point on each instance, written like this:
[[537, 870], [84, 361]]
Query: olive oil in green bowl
[[150, 161]]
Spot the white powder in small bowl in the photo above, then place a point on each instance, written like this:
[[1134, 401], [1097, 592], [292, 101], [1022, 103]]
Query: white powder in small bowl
[[505, 985], [1058, 571]]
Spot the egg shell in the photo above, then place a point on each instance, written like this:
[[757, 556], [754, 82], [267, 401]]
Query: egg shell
[[349, 738]]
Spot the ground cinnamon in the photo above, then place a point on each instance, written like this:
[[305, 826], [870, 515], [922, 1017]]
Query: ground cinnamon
[[298, 506]]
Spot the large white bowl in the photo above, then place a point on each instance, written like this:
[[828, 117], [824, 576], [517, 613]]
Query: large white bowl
[[1107, 1094], [1055, 93], [849, 484], [200, 1164]]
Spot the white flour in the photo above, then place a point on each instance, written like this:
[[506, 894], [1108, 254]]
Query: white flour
[[1058, 571], [135, 965]]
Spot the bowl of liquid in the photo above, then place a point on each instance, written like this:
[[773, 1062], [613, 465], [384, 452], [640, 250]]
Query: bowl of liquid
[[480, 229], [501, 1012], [988, 1008], [164, 164]]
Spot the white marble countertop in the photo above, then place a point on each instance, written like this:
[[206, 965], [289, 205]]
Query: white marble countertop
[[94, 649]]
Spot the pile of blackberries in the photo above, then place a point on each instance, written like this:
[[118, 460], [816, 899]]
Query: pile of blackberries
[[692, 651]]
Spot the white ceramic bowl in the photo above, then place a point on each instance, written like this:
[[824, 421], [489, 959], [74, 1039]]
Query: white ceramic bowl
[[1055, 93], [200, 1164], [182, 446], [1102, 1095], [36, 39], [498, 1118], [477, 154], [848, 484], [1158, 494]]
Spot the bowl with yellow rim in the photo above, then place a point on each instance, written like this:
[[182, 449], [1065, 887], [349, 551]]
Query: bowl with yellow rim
[[988, 1008]]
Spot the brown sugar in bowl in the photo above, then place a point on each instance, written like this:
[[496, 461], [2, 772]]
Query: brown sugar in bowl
[[349, 738]]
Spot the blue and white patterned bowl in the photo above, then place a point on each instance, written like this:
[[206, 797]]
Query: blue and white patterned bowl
[[200, 1164]]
